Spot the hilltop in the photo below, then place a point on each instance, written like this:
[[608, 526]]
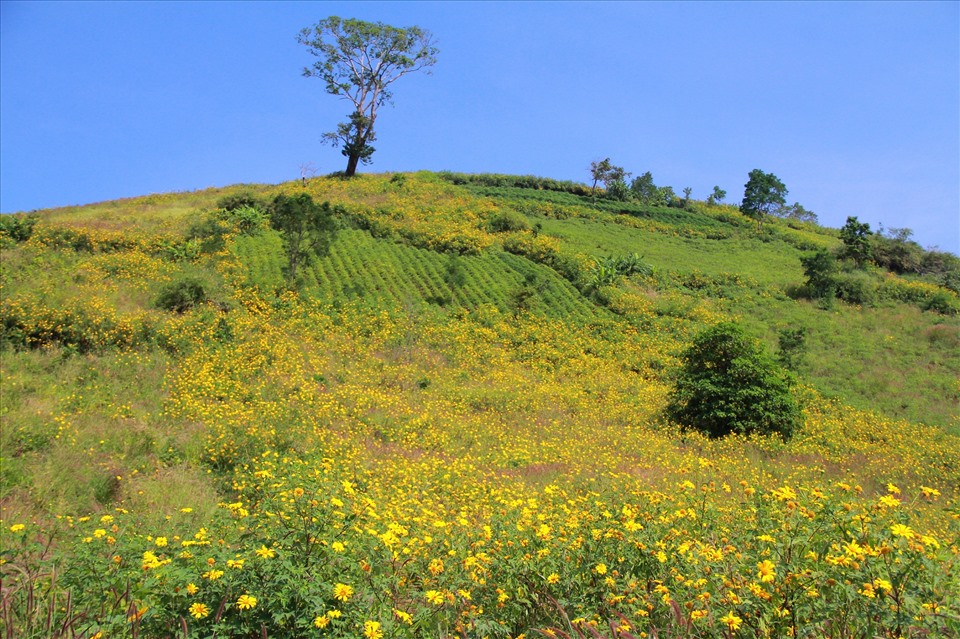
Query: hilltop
[[452, 422]]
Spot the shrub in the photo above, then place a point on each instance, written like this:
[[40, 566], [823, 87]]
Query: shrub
[[729, 384], [856, 288], [506, 221], [18, 227], [182, 295], [241, 200]]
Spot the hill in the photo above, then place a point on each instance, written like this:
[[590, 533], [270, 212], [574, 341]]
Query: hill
[[454, 425]]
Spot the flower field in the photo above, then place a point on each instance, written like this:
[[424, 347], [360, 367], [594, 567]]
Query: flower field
[[404, 449]]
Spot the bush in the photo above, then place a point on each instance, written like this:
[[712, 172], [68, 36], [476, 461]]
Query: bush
[[729, 384], [857, 288], [242, 200], [182, 295], [506, 221], [18, 227]]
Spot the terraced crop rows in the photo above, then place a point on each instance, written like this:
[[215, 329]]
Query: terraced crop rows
[[388, 273]]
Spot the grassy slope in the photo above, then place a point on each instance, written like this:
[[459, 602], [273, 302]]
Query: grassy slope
[[437, 396]]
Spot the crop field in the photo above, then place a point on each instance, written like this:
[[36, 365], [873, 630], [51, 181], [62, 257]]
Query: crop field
[[453, 428]]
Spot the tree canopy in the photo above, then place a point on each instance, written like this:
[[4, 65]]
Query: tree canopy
[[359, 61], [763, 194]]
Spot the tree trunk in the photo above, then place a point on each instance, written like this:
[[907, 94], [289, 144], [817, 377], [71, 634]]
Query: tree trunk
[[352, 161]]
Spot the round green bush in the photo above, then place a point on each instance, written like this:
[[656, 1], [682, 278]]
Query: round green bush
[[729, 384]]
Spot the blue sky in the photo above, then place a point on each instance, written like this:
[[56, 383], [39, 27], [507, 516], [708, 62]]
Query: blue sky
[[854, 106]]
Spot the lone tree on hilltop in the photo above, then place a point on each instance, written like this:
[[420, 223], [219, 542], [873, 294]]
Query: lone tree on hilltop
[[359, 61], [729, 384], [763, 195]]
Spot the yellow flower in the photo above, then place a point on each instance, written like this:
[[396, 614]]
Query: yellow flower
[[266, 553], [900, 530], [321, 621], [893, 489], [212, 575], [784, 494], [246, 602], [767, 571], [733, 622], [889, 500], [601, 569], [342, 592], [17, 528], [436, 566], [882, 584], [553, 578], [192, 589], [371, 630], [199, 610], [403, 616], [434, 596], [929, 492], [160, 542]]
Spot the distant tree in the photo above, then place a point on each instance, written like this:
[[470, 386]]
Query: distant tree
[[608, 173], [665, 196], [893, 250], [763, 194], [729, 384], [599, 171], [643, 188], [820, 269], [716, 197], [687, 192], [796, 212], [307, 229], [618, 190], [856, 241], [359, 61]]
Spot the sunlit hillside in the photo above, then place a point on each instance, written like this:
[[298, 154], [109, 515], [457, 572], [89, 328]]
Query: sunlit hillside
[[452, 423]]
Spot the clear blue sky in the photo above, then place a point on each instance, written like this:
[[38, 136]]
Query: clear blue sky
[[854, 106]]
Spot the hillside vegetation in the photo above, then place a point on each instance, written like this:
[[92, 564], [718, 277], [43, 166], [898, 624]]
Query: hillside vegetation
[[453, 424]]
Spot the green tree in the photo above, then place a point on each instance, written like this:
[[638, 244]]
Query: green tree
[[856, 241], [359, 61], [820, 269], [716, 197], [796, 212], [307, 229], [763, 194], [729, 384], [644, 189], [608, 173]]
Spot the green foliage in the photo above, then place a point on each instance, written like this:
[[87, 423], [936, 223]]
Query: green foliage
[[618, 190], [820, 269], [793, 347], [796, 212], [18, 227], [763, 194], [239, 200], [728, 384], [857, 288], [506, 221], [307, 229], [609, 174], [716, 197], [856, 241], [182, 295], [516, 181]]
